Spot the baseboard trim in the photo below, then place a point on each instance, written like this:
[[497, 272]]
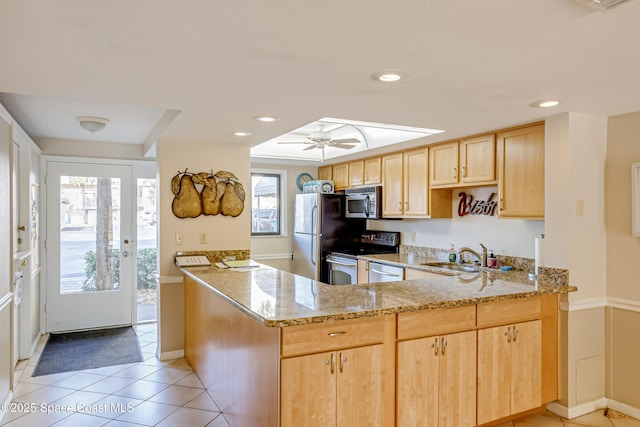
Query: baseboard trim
[[591, 303], [624, 304], [587, 408], [168, 355]]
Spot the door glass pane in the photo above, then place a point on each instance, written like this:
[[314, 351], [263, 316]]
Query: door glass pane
[[89, 234], [147, 268]]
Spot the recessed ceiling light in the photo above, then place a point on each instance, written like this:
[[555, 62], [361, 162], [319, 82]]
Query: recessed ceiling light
[[388, 76], [266, 119], [242, 133], [545, 103]]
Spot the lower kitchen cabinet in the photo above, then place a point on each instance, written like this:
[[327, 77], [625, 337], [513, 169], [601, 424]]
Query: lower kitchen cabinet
[[437, 381], [509, 370], [339, 388]]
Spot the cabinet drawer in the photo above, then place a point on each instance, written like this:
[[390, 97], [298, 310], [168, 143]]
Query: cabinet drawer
[[505, 312], [332, 335], [436, 322]]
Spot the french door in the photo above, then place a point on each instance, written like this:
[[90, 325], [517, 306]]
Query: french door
[[89, 246]]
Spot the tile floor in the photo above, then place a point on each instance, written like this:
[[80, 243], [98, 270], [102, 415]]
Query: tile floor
[[165, 394], [150, 393]]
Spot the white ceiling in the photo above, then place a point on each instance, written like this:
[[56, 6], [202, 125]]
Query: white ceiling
[[472, 66]]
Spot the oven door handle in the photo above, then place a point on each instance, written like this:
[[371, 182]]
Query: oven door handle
[[331, 261]]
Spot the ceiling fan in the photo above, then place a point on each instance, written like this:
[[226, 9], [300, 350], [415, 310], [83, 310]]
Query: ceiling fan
[[321, 139]]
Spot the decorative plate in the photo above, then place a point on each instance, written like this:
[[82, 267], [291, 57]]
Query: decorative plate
[[301, 179]]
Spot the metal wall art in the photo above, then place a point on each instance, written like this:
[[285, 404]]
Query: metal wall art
[[206, 193]]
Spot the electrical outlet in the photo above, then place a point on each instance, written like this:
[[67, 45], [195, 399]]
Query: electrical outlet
[[203, 237], [179, 240], [579, 207]]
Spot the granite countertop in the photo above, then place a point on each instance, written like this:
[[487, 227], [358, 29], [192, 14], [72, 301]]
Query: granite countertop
[[279, 299]]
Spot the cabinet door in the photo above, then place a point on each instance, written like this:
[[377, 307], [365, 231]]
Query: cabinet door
[[325, 173], [341, 176], [457, 380], [478, 159], [521, 173], [417, 383], [308, 390], [372, 170], [359, 397], [443, 160], [526, 366], [416, 165], [356, 173], [392, 185], [494, 377]]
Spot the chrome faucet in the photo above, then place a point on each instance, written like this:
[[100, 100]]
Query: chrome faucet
[[482, 258]]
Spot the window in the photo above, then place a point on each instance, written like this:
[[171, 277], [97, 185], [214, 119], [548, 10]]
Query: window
[[266, 204]]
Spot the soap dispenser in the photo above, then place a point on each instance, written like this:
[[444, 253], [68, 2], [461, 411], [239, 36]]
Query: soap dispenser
[[452, 254], [492, 262]]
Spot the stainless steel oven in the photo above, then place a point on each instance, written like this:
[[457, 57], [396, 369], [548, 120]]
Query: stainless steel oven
[[363, 202], [343, 269]]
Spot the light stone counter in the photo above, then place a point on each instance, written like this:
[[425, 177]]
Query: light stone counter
[[279, 299]]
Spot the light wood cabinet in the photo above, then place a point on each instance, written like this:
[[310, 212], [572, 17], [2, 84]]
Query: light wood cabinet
[[372, 171], [521, 173], [509, 370], [405, 191], [356, 173], [325, 173], [341, 176], [470, 161], [437, 381]]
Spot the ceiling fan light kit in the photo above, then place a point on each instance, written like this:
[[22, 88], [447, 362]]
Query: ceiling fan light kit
[[600, 4]]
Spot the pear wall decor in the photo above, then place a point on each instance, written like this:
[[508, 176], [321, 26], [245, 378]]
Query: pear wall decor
[[219, 193]]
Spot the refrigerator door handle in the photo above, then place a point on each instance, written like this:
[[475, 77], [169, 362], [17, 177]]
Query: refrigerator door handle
[[314, 214]]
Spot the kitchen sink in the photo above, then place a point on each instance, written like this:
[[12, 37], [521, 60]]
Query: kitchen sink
[[453, 266]]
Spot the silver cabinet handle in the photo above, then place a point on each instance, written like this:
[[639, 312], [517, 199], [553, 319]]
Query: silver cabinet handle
[[515, 333], [333, 363], [444, 345], [455, 173]]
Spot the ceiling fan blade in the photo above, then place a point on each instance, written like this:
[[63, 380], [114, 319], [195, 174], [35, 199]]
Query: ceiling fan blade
[[346, 141], [311, 147], [295, 142], [345, 146]]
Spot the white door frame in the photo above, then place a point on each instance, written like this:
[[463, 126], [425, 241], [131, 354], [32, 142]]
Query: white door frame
[[141, 169]]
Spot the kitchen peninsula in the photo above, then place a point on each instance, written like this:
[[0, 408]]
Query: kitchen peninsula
[[276, 349]]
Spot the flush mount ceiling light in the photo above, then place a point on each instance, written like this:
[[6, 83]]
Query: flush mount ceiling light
[[544, 103], [266, 119], [388, 76], [92, 124]]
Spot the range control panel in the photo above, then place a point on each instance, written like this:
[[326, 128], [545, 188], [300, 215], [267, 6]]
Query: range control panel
[[382, 238]]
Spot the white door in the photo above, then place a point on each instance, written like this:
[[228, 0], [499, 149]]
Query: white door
[[89, 246]]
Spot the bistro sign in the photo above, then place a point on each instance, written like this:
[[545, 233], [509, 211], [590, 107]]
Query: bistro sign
[[468, 206]]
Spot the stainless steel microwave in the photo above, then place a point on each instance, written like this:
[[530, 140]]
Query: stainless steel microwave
[[363, 202]]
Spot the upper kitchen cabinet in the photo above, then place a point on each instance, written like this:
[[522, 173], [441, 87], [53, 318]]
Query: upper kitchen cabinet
[[325, 173], [365, 172], [521, 173], [405, 192], [341, 176], [467, 162]]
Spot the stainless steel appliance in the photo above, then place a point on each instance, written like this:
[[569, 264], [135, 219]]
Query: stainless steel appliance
[[384, 273], [364, 202], [343, 264], [319, 228]]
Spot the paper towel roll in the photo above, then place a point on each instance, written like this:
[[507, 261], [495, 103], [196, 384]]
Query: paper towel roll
[[539, 253]]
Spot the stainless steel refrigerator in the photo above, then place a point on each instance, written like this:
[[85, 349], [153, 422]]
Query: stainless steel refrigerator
[[320, 227]]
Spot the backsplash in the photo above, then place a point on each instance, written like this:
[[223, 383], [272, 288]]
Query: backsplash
[[218, 256]]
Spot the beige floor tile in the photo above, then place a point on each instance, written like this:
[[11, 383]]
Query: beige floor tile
[[78, 381], [80, 420], [167, 375], [78, 399], [110, 385], [108, 371], [27, 372], [153, 360], [39, 419], [116, 423], [594, 419], [11, 416], [45, 394], [181, 364], [219, 421], [16, 376], [204, 401], [188, 417], [625, 422], [137, 371], [24, 388], [21, 364], [148, 413], [33, 360], [542, 419], [176, 395], [48, 379], [191, 380], [142, 389]]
